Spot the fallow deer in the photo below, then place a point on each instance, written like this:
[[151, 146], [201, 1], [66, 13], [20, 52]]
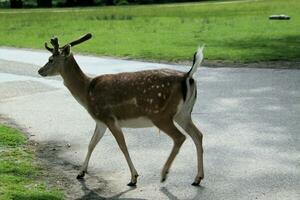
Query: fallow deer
[[137, 99]]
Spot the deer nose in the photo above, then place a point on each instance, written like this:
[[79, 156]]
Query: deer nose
[[41, 72]]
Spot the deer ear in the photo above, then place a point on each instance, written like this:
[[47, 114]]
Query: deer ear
[[66, 51]]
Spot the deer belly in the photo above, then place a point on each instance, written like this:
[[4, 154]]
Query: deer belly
[[140, 122]]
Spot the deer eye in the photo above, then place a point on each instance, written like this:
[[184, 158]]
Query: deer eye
[[50, 60]]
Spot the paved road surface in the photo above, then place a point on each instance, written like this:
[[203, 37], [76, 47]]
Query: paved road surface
[[249, 117]]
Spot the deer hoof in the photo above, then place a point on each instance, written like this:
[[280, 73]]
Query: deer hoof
[[81, 175], [164, 176], [195, 184], [131, 184]]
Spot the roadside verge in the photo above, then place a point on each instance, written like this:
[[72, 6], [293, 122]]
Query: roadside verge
[[22, 176]]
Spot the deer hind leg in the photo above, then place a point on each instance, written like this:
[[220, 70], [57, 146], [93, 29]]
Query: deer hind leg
[[98, 134], [118, 134], [187, 124], [171, 130]]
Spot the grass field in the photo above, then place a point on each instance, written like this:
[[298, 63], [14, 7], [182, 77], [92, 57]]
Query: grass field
[[19, 174], [238, 31]]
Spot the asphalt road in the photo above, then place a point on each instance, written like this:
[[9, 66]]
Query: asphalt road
[[249, 117]]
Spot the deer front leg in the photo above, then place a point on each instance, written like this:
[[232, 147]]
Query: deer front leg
[[187, 124], [98, 134], [170, 129], [118, 134]]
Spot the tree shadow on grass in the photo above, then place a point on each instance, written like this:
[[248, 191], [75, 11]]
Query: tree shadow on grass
[[262, 48]]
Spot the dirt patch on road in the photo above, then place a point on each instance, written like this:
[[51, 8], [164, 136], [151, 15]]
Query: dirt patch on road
[[63, 174]]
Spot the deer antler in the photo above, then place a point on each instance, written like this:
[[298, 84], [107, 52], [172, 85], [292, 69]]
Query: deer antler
[[80, 40], [54, 42], [48, 48]]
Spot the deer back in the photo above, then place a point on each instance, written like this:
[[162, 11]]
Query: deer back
[[146, 93]]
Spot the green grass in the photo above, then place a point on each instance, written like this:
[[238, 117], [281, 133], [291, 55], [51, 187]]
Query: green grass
[[19, 173], [237, 31]]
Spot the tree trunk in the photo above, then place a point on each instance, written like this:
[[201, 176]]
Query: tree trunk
[[16, 3], [85, 2], [44, 3]]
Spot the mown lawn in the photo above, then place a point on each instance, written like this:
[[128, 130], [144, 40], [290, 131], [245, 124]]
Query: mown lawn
[[20, 176], [239, 31]]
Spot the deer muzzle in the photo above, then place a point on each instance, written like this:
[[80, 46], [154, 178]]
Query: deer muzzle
[[42, 72]]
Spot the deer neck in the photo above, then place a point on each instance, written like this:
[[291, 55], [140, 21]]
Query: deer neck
[[75, 80]]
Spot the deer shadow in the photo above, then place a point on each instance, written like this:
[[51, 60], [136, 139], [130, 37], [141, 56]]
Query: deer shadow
[[171, 196], [91, 194]]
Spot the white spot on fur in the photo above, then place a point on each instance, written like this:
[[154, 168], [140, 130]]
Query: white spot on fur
[[159, 94]]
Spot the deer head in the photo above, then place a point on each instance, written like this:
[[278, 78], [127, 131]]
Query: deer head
[[59, 55]]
